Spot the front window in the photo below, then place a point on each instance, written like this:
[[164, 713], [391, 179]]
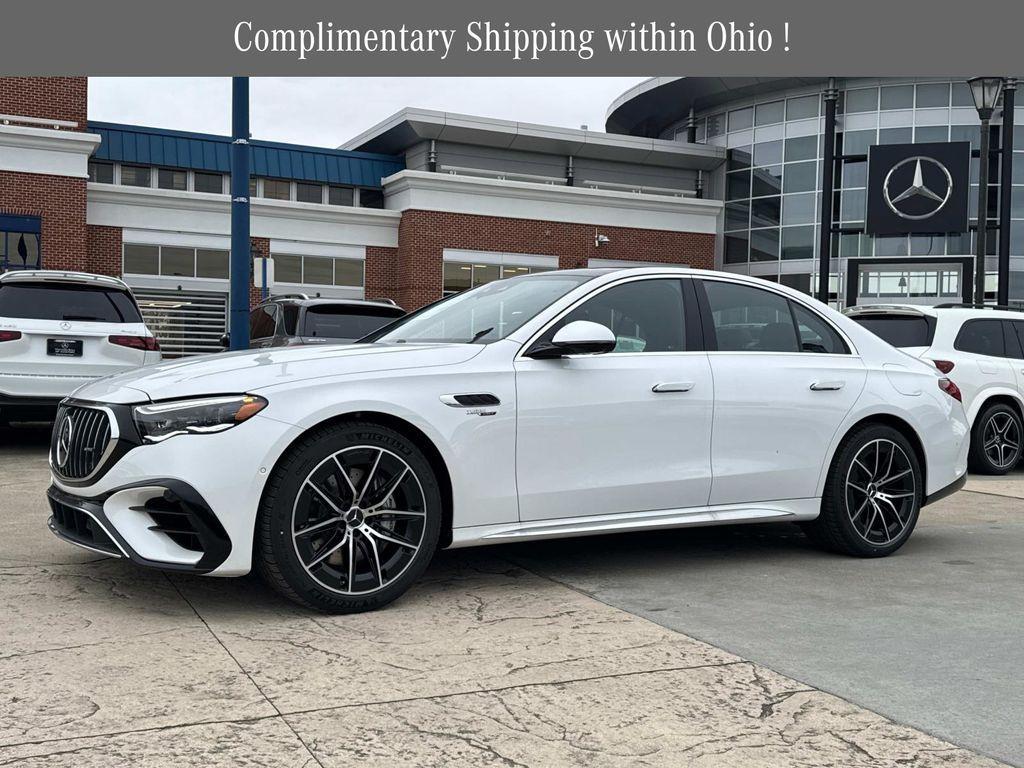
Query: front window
[[483, 314]]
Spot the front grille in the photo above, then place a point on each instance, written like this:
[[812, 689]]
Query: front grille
[[81, 437], [77, 526]]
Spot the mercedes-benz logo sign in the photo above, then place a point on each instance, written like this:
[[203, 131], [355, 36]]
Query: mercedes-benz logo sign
[[917, 188], [64, 442], [65, 326]]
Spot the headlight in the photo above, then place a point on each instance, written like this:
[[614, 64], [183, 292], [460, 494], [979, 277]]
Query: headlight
[[160, 421]]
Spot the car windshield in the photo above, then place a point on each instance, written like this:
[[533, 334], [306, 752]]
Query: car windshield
[[481, 315], [346, 322], [56, 301]]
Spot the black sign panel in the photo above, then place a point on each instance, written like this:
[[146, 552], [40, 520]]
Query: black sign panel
[[918, 188]]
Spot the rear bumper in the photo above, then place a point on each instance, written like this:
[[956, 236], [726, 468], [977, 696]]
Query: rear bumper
[[161, 524], [29, 386], [15, 408]]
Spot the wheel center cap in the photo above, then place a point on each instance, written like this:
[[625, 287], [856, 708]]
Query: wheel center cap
[[354, 517]]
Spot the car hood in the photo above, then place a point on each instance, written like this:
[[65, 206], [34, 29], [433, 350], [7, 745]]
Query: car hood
[[253, 370]]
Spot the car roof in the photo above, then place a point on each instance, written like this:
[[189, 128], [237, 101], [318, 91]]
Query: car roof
[[307, 302], [59, 276], [957, 313]]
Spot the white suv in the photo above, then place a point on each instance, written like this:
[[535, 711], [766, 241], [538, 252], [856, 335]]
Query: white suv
[[982, 351], [60, 330]]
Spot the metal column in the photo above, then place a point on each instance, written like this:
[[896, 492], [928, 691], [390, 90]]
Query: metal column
[[238, 326], [1005, 190], [827, 184]]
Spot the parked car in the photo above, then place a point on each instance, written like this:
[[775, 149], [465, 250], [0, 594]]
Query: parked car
[[60, 330], [550, 405], [982, 350], [282, 321]]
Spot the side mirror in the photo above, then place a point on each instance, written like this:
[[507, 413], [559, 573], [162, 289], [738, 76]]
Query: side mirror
[[580, 337], [225, 341]]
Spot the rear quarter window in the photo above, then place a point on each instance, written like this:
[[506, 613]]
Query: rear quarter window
[[981, 337], [54, 301], [900, 330]]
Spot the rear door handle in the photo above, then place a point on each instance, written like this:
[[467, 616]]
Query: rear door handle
[[673, 386], [827, 386]]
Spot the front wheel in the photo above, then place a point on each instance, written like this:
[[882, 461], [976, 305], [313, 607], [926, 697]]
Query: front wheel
[[872, 497], [995, 440], [350, 519]]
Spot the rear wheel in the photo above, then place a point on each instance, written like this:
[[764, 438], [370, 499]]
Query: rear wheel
[[995, 440], [350, 519], [872, 497]]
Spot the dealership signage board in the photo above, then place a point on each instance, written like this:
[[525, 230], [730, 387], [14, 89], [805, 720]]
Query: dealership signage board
[[918, 188]]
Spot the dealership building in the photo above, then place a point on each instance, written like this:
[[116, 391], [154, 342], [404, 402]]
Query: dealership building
[[772, 181], [707, 172]]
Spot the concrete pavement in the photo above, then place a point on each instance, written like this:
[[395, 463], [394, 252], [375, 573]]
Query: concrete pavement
[[483, 663]]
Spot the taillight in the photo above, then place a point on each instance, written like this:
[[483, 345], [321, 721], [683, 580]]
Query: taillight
[[10, 335], [951, 389], [147, 343], [944, 365]]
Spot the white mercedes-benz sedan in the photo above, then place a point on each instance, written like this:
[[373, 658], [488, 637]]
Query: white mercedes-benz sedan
[[550, 405]]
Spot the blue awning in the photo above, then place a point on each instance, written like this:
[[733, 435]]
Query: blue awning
[[208, 152], [29, 224]]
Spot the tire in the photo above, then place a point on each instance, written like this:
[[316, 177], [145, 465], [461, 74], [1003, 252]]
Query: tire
[[348, 545], [995, 440], [869, 512]]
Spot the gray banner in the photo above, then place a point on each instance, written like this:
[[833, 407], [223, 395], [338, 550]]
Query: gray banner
[[527, 37]]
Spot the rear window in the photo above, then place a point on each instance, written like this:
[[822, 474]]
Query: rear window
[[347, 322], [53, 301], [899, 330]]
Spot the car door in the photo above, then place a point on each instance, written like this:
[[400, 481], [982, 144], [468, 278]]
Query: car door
[[625, 431], [1014, 330], [784, 381], [982, 362]]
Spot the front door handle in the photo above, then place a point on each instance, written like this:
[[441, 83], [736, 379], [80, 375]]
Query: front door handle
[[673, 386], [826, 386]]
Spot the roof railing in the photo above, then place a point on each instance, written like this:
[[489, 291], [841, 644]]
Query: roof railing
[[1001, 307]]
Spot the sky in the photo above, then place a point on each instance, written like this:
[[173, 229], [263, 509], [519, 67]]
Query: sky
[[329, 111]]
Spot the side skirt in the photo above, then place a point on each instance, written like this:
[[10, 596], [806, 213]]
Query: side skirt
[[785, 509]]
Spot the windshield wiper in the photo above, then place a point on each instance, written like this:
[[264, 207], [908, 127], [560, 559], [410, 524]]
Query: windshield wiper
[[479, 335]]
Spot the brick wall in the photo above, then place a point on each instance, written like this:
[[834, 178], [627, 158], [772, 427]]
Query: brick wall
[[58, 98], [381, 273], [103, 250], [423, 236], [60, 202]]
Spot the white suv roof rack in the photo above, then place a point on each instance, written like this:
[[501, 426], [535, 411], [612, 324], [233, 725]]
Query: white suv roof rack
[[903, 309], [59, 276]]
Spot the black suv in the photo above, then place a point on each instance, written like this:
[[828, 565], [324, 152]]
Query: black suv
[[281, 321]]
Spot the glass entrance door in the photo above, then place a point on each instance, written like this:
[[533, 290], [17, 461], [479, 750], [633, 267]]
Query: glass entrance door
[[925, 284]]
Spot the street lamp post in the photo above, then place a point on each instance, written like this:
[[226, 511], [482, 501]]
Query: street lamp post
[[985, 92]]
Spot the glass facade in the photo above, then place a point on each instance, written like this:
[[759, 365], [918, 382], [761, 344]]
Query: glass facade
[[771, 185]]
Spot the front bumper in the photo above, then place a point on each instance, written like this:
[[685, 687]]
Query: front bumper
[[211, 483], [161, 523]]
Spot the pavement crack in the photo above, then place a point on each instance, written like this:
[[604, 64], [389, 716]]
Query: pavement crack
[[244, 671]]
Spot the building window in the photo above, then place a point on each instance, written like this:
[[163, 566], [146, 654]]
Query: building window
[[168, 178], [177, 262], [135, 176], [253, 186], [213, 264], [309, 193], [287, 269], [101, 173], [277, 189], [371, 198], [341, 196], [460, 275], [318, 270], [19, 242], [209, 182], [141, 259]]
